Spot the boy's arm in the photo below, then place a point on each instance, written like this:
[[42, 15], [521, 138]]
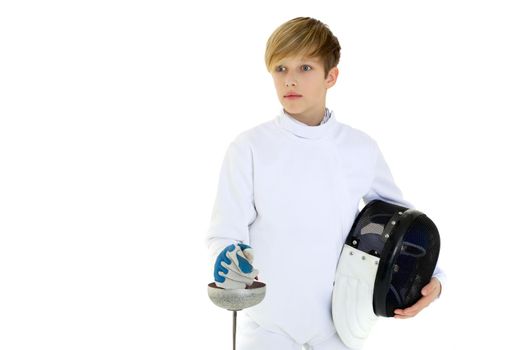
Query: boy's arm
[[234, 208], [383, 187]]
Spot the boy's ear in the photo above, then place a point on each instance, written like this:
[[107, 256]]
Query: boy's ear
[[331, 77]]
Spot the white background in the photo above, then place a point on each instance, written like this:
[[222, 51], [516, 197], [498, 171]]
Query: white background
[[115, 117]]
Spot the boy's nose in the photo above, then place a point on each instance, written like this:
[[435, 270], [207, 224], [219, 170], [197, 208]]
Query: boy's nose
[[290, 83]]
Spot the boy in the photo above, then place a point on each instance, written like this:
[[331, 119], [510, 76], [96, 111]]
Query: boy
[[288, 192]]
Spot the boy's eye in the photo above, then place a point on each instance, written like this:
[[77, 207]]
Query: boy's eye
[[304, 68]]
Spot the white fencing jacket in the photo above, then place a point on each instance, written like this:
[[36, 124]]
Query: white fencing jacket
[[292, 192]]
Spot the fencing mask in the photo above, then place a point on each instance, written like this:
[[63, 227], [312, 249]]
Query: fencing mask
[[388, 257]]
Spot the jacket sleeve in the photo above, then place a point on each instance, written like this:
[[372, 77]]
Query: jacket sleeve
[[383, 187], [234, 208]]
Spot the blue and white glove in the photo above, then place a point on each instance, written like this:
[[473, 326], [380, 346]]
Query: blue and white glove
[[233, 267]]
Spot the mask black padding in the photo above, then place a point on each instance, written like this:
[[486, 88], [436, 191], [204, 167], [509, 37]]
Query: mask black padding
[[414, 265]]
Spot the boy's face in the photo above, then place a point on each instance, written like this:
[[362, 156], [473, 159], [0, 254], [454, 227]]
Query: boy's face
[[303, 76]]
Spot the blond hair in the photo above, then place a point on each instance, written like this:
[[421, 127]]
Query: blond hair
[[306, 37]]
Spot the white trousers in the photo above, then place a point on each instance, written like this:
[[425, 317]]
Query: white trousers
[[251, 336]]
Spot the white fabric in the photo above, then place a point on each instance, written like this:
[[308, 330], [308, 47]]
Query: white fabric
[[251, 336], [292, 190], [352, 300]]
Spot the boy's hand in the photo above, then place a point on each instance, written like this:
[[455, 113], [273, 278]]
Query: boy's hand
[[430, 292], [233, 267]]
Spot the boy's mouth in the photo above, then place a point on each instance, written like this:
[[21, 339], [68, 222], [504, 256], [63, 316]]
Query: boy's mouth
[[292, 95]]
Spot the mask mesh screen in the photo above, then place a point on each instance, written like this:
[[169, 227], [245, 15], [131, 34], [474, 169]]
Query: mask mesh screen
[[370, 226]]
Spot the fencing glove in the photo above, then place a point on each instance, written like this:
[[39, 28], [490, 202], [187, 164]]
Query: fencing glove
[[233, 267]]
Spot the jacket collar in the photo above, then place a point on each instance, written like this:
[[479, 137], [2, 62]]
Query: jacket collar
[[303, 130]]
